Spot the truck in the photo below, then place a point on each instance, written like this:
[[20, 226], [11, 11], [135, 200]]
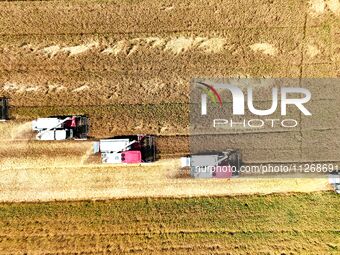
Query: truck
[[126, 149], [213, 164], [4, 109], [61, 127]]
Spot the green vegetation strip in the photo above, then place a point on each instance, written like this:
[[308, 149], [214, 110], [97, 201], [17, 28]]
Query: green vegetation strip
[[285, 223]]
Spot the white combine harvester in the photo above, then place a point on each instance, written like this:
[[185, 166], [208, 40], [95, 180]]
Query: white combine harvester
[[215, 164], [4, 109], [127, 149], [334, 180], [61, 128]]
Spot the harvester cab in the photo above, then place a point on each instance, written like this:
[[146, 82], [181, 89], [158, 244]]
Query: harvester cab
[[127, 149], [4, 109], [61, 128], [219, 164]]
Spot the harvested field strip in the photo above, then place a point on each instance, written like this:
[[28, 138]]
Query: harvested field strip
[[289, 146], [107, 88], [178, 115], [6, 37], [99, 16], [69, 179], [176, 43], [290, 223]]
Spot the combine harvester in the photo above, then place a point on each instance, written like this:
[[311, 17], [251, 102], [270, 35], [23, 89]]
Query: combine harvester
[[218, 164], [4, 109], [61, 128], [334, 180], [127, 149]]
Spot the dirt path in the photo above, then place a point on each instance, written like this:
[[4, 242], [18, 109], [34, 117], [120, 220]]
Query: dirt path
[[76, 182]]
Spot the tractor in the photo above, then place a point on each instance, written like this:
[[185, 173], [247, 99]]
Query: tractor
[[61, 128], [127, 149]]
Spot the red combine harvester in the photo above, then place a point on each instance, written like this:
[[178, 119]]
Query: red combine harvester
[[127, 149]]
